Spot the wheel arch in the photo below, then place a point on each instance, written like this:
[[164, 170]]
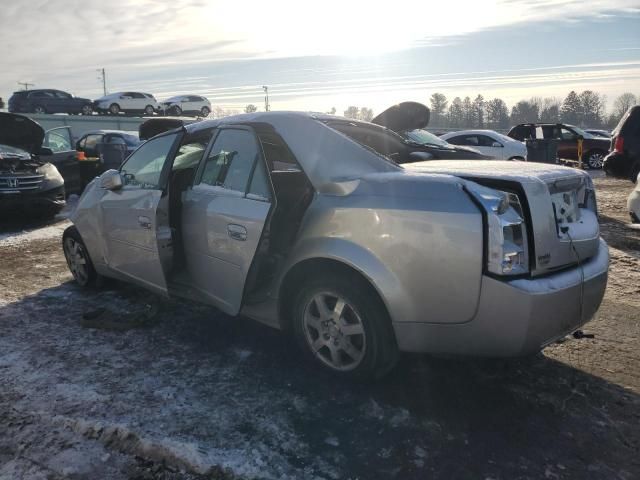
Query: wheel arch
[[353, 261]]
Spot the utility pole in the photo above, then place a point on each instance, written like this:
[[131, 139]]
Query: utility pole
[[266, 98], [103, 77], [26, 84]]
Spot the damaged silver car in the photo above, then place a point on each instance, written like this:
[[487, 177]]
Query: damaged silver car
[[339, 232]]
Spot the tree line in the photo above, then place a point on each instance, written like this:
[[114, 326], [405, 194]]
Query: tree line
[[585, 109]]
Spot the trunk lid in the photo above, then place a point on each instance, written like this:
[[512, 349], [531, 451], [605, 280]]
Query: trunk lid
[[404, 116], [559, 204]]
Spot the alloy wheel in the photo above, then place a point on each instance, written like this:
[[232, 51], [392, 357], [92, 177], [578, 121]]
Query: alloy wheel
[[596, 160], [76, 257], [334, 331]]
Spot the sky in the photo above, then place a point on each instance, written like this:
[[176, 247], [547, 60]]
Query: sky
[[323, 55]]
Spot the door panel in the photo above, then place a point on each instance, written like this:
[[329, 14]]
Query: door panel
[[222, 229], [136, 245], [64, 157]]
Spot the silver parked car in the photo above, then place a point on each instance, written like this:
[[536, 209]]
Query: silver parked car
[[309, 224]]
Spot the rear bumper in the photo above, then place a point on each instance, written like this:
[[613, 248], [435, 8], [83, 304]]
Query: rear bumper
[[517, 317], [617, 165]]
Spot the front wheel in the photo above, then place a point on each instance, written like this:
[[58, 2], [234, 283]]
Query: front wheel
[[86, 110], [77, 256], [148, 110], [114, 109], [39, 109], [595, 159], [343, 326]]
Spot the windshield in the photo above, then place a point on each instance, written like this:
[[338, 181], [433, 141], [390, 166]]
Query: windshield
[[426, 138]]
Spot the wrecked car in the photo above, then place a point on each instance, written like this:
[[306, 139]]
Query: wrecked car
[[409, 120], [28, 183], [285, 218]]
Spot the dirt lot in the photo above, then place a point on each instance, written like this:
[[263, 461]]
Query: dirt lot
[[191, 393]]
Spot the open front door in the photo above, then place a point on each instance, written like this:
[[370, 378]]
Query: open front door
[[138, 243]]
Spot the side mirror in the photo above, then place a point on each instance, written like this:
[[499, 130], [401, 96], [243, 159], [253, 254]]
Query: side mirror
[[45, 151], [111, 180], [496, 144]]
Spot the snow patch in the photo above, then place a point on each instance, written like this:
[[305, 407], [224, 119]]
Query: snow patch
[[25, 236]]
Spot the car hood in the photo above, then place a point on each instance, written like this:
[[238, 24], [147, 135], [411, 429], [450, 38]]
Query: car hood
[[404, 116], [20, 132]]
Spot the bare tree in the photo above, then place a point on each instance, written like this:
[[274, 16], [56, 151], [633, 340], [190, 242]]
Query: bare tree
[[366, 114], [623, 103], [352, 112], [524, 112], [550, 111], [250, 108], [332, 111]]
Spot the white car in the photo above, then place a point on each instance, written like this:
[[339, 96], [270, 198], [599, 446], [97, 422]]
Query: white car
[[127, 102], [186, 105], [489, 143]]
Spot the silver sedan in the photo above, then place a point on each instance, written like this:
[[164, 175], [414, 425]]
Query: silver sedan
[[339, 233]]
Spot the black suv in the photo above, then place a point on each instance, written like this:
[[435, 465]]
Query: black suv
[[624, 159], [48, 101]]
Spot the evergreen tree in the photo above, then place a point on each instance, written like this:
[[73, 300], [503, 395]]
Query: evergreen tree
[[570, 110], [478, 111], [456, 114]]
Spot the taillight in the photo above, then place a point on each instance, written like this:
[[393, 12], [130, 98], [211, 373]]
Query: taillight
[[618, 146]]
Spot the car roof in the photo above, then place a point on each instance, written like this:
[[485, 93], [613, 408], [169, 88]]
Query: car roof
[[326, 155]]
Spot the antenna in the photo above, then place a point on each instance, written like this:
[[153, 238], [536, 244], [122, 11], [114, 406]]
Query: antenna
[[26, 84]]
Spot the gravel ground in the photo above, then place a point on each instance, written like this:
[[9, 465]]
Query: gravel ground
[[191, 393]]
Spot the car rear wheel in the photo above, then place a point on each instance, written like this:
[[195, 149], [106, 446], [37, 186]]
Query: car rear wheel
[[176, 110], [595, 159], [86, 110], [39, 109], [148, 110], [77, 256], [205, 111], [343, 326], [114, 109]]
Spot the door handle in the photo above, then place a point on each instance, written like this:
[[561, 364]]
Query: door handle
[[237, 232], [144, 222]]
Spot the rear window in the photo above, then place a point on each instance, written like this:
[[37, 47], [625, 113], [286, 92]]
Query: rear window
[[20, 94], [382, 141], [629, 124]]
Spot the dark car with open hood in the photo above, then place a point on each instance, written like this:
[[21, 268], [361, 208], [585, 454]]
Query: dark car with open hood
[[27, 183], [409, 120]]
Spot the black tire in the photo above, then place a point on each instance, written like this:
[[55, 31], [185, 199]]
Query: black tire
[[39, 109], [376, 343], [71, 238], [594, 159], [86, 110], [176, 110], [114, 109], [149, 110], [204, 111]]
